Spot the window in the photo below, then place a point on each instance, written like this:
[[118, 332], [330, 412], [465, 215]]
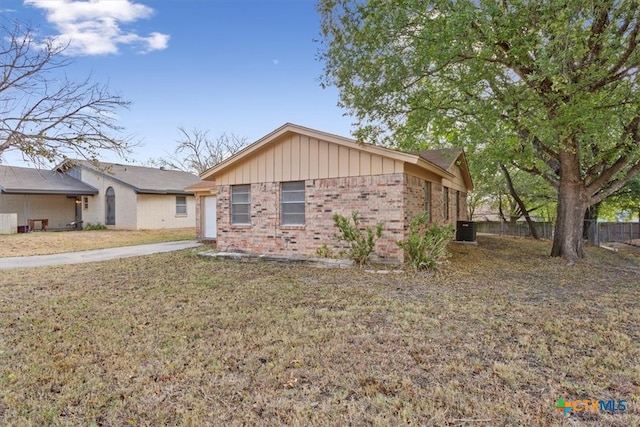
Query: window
[[457, 204], [292, 203], [181, 205], [427, 200], [445, 203], [240, 203]]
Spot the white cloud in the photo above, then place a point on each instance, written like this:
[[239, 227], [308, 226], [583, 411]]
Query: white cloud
[[94, 27]]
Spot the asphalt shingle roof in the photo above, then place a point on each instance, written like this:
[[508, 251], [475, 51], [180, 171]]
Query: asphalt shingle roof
[[145, 179], [443, 157], [20, 180]]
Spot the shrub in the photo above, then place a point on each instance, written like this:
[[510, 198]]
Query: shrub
[[324, 252], [361, 242], [89, 227], [426, 246]]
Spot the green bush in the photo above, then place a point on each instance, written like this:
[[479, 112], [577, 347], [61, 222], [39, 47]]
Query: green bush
[[361, 242], [324, 252], [90, 227], [426, 245]]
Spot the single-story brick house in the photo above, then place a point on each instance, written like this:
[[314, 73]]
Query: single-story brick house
[[119, 196], [279, 194]]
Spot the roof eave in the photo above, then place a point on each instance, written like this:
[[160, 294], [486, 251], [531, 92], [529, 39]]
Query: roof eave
[[432, 167], [50, 192], [164, 192]]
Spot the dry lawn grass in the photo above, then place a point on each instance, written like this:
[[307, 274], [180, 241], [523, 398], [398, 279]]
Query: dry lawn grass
[[173, 339], [46, 243]]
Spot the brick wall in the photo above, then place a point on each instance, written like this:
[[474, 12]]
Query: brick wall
[[392, 199], [378, 198]]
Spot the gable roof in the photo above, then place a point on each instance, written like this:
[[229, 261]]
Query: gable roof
[[19, 180], [446, 158], [412, 158], [446, 163], [141, 179], [443, 157]]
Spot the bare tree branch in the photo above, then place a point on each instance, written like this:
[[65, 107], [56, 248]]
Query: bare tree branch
[[46, 117], [196, 152]]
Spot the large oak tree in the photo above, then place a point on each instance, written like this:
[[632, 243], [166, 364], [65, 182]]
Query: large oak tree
[[551, 86], [45, 115]]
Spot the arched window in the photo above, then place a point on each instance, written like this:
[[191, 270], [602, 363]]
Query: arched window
[[110, 207]]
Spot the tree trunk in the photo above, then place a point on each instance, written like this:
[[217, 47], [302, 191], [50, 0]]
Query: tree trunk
[[516, 197], [500, 211], [572, 203], [590, 221]]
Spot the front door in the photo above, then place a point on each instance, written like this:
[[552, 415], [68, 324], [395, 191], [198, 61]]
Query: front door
[[110, 203], [209, 217], [78, 218]]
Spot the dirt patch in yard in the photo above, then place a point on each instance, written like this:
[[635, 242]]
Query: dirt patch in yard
[[174, 339]]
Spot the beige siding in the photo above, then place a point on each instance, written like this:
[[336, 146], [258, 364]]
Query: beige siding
[[422, 173], [8, 223], [126, 218], [298, 157], [156, 211], [457, 183], [59, 210]]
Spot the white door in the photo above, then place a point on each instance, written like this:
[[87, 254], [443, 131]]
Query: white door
[[210, 230]]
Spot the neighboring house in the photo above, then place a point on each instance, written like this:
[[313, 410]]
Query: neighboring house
[[134, 197], [42, 194], [279, 194], [118, 196]]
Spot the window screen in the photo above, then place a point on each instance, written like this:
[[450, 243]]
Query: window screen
[[292, 203], [240, 203]]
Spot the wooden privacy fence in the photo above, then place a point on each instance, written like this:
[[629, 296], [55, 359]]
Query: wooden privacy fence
[[518, 229], [594, 232], [600, 232]]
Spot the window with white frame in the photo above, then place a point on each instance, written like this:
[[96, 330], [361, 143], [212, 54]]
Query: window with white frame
[[292, 203], [181, 205], [240, 204]]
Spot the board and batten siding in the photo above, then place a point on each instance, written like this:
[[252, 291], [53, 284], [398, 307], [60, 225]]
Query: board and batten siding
[[300, 157]]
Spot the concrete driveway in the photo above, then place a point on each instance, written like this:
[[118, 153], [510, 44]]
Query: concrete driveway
[[95, 255]]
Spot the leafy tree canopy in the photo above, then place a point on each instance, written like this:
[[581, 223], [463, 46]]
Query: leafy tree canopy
[[549, 86], [624, 204]]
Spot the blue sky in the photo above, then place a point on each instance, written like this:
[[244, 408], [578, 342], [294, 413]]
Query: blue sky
[[237, 66]]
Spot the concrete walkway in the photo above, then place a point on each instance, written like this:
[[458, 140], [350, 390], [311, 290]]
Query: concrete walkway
[[95, 255]]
